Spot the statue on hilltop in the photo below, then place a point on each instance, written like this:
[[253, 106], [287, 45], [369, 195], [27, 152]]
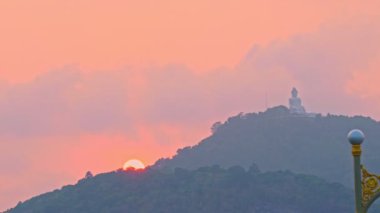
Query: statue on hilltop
[[295, 103]]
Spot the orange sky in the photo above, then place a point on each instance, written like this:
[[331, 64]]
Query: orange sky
[[91, 84], [40, 35]]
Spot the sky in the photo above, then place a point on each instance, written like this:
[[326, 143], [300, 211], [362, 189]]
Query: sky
[[87, 85]]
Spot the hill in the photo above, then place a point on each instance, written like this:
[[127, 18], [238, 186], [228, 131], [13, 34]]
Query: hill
[[279, 140], [207, 189]]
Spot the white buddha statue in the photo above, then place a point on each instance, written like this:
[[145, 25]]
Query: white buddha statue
[[295, 103]]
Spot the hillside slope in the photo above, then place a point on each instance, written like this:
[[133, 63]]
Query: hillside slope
[[205, 190], [278, 140]]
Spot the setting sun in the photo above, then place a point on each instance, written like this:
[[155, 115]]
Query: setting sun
[[133, 163]]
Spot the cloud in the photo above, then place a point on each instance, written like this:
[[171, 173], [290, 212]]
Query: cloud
[[322, 64], [61, 102]]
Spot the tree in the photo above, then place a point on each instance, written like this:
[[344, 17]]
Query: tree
[[215, 127], [88, 175]]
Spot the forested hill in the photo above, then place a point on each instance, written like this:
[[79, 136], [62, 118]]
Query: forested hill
[[277, 140], [205, 190]]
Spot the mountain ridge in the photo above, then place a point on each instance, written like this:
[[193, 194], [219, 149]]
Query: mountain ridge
[[205, 190], [290, 150], [277, 139]]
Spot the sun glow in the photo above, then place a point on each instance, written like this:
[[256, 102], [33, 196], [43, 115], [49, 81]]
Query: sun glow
[[133, 164]]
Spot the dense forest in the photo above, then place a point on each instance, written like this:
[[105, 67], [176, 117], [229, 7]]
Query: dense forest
[[205, 190], [278, 140]]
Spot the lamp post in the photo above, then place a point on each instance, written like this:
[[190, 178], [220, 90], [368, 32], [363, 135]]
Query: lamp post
[[356, 138], [367, 185]]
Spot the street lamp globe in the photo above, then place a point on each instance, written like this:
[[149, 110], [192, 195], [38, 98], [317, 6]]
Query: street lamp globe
[[356, 137]]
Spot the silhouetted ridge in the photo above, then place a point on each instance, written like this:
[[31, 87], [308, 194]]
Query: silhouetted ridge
[[277, 139], [205, 190]]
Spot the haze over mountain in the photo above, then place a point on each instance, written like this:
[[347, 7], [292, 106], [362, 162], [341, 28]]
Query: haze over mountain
[[280, 140]]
